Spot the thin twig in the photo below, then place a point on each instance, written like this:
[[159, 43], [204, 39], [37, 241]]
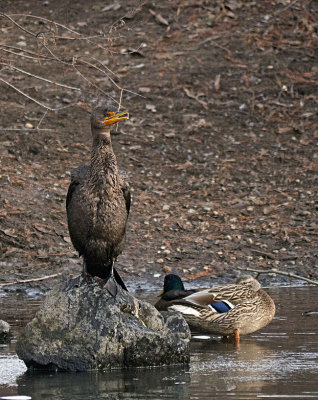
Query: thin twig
[[42, 118], [20, 49], [44, 58], [285, 8], [91, 83], [30, 280], [16, 24], [120, 99], [39, 77], [34, 100], [105, 66], [55, 57], [26, 130], [276, 271], [51, 22], [99, 69], [112, 81]]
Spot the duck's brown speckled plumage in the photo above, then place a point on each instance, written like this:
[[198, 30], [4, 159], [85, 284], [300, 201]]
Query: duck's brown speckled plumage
[[252, 308], [98, 203]]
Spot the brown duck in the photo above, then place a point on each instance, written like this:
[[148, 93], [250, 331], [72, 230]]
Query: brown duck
[[230, 310], [98, 203]]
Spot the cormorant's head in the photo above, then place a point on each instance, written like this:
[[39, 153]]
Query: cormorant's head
[[101, 116]]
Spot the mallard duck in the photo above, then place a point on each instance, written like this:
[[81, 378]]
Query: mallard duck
[[236, 309], [173, 289], [98, 202]]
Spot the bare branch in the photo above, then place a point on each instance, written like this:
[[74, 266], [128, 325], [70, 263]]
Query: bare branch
[[39, 77], [16, 24], [112, 81], [276, 271], [93, 84], [21, 49], [99, 69], [26, 130], [26, 56], [42, 118], [33, 99], [56, 24], [31, 280]]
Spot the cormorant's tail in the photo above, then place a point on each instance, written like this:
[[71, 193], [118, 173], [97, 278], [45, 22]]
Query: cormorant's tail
[[107, 273], [112, 280], [118, 279]]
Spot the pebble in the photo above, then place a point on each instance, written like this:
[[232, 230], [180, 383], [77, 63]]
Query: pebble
[[267, 210], [144, 89], [166, 269], [29, 126], [151, 107]]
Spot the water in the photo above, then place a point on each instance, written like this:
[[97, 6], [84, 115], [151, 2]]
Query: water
[[278, 362]]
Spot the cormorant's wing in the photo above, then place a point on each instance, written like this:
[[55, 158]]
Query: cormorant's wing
[[124, 184], [77, 176]]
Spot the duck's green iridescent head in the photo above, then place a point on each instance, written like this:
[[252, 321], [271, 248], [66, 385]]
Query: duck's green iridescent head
[[172, 282]]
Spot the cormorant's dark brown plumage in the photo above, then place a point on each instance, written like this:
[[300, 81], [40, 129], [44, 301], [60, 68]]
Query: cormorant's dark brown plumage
[[98, 202]]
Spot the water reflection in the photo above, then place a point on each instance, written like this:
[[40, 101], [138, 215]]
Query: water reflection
[[280, 361], [169, 383], [220, 368]]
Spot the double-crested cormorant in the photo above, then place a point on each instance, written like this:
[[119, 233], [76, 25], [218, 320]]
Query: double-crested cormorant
[[98, 203]]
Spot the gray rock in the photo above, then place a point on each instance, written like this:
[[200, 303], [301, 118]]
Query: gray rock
[[4, 331], [80, 327]]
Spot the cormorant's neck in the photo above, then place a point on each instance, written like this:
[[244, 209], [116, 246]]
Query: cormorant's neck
[[101, 136], [103, 160]]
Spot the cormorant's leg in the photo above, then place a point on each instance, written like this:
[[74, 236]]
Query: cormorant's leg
[[85, 274]]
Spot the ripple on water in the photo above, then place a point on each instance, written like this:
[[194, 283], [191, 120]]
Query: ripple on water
[[280, 361]]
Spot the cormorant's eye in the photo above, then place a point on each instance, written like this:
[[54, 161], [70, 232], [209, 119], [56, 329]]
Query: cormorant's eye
[[109, 114]]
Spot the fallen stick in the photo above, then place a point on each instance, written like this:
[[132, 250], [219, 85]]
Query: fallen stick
[[30, 280], [276, 271]]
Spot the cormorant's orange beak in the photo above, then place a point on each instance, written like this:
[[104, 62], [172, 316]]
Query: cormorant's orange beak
[[114, 117]]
